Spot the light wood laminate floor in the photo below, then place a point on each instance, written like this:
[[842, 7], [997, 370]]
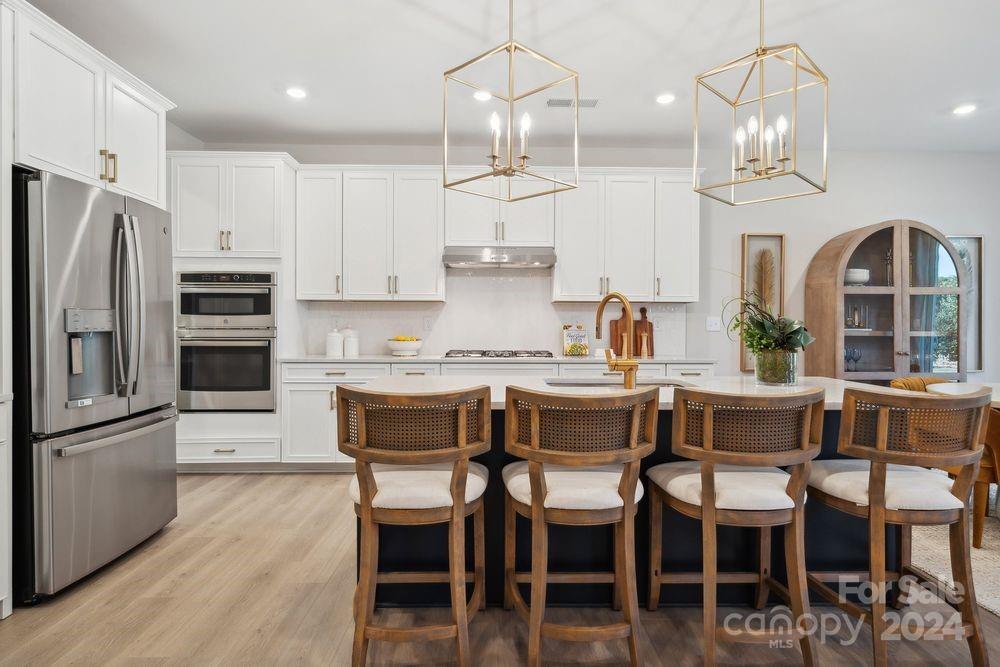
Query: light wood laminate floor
[[259, 569]]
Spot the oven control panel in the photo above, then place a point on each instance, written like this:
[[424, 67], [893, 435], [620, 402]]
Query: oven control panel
[[226, 278]]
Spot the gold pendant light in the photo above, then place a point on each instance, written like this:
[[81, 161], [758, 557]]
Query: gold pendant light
[[773, 95], [482, 100]]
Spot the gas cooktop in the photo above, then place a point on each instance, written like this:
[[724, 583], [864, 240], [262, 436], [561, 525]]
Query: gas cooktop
[[499, 354]]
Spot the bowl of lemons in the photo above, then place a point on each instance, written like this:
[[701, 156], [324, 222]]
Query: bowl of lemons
[[404, 346]]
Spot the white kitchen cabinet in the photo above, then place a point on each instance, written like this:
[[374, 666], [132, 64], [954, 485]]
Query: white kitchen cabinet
[[309, 423], [500, 368], [589, 370], [81, 116], [59, 96], [418, 236], [677, 239], [227, 205], [473, 220], [416, 369], [6, 517], [368, 235], [690, 371], [579, 271], [629, 205], [220, 449], [529, 222], [136, 135], [318, 235]]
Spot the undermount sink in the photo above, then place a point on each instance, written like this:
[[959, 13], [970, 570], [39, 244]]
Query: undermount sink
[[614, 382]]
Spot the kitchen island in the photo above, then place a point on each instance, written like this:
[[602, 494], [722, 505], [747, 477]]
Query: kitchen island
[[834, 540]]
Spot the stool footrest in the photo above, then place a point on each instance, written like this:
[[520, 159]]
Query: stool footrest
[[698, 577], [418, 577], [569, 577], [594, 633], [420, 633]]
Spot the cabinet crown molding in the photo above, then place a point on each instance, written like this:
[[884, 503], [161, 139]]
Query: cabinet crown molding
[[236, 155]]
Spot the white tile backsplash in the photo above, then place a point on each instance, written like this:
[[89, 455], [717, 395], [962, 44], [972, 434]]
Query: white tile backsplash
[[502, 309]]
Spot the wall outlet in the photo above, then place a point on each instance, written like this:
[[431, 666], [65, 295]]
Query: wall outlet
[[713, 324], [657, 323], [428, 324]]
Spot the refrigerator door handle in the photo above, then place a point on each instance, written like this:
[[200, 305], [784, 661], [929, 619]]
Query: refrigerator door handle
[[84, 447], [117, 304], [139, 311]]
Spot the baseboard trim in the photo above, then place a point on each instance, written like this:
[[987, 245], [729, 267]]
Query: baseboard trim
[[251, 467]]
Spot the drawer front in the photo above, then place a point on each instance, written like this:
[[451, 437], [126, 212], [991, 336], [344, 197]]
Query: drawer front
[[220, 450], [682, 371], [332, 372], [541, 370], [416, 369], [601, 370]]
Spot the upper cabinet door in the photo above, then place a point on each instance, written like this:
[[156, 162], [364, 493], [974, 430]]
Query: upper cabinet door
[[471, 219], [677, 241], [418, 236], [529, 222], [579, 271], [59, 97], [136, 135], [629, 237], [198, 204], [318, 235], [368, 266], [256, 206]]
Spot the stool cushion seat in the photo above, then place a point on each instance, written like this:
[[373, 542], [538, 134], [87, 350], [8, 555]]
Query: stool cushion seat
[[417, 487], [736, 487], [906, 487], [570, 487]]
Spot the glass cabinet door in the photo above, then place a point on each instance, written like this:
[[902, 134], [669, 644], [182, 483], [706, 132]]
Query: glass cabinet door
[[932, 309]]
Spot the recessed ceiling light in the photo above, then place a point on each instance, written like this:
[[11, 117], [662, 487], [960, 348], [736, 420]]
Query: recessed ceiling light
[[295, 92], [665, 98], [964, 109], [482, 95]]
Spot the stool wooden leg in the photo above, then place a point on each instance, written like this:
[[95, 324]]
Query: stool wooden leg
[[509, 549], [709, 567], [798, 588], [655, 550], [616, 557], [763, 565], [625, 546], [876, 556], [539, 567], [980, 502], [479, 553], [961, 569], [364, 608], [456, 565]]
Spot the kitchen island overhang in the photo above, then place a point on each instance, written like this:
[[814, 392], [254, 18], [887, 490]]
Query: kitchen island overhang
[[834, 541]]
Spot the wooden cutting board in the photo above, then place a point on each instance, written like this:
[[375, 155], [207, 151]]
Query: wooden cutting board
[[619, 332], [643, 336]]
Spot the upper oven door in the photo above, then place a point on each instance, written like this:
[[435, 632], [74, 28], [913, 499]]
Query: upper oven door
[[204, 307], [225, 374]]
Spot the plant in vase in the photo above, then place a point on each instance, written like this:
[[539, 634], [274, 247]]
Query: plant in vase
[[774, 340]]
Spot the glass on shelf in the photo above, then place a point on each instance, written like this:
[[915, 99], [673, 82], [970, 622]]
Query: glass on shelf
[[934, 343], [930, 264], [871, 314], [868, 354], [871, 263]]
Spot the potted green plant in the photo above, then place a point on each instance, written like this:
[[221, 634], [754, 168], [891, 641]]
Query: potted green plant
[[774, 340]]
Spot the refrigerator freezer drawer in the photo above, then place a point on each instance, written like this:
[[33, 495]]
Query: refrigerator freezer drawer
[[100, 493]]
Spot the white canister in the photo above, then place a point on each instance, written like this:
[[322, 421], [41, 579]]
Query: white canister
[[352, 346], [335, 345]]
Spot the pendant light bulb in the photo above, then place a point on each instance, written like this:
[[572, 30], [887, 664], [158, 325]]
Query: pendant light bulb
[[769, 134], [495, 122], [752, 126], [525, 124], [741, 136], [781, 125]]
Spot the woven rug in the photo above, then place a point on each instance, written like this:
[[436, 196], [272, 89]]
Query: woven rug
[[931, 554]]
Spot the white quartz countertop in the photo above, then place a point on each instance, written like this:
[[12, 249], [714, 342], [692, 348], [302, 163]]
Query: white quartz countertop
[[439, 358], [744, 385]]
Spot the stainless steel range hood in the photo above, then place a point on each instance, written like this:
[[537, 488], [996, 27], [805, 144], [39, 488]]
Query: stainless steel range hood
[[498, 257]]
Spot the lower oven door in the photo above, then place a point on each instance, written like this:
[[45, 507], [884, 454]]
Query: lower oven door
[[225, 375]]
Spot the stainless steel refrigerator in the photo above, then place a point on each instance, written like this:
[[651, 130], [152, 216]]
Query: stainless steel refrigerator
[[94, 388]]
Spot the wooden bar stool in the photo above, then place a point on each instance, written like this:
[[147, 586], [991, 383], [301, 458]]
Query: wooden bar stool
[[897, 437], [737, 443], [412, 467], [581, 468]]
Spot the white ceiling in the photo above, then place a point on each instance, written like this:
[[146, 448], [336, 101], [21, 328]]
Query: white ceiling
[[373, 68]]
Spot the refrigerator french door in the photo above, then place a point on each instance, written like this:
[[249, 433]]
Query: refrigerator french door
[[94, 384]]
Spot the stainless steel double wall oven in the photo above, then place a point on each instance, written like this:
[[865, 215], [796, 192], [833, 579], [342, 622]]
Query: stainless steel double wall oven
[[226, 342]]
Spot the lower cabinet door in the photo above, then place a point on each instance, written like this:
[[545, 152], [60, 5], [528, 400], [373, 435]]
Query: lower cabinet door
[[309, 424]]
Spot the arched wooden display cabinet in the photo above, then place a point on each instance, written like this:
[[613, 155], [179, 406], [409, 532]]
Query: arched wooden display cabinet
[[907, 318]]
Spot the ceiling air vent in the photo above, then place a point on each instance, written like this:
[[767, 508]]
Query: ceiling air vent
[[567, 102]]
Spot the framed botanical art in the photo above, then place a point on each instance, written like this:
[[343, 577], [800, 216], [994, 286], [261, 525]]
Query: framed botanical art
[[970, 251], [762, 273]]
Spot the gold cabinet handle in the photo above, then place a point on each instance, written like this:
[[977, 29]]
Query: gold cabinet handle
[[333, 373], [227, 450], [338, 284], [104, 168], [222, 239], [657, 285], [113, 158]]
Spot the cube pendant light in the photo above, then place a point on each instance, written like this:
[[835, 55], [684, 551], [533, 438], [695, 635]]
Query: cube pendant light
[[498, 93], [760, 126]]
